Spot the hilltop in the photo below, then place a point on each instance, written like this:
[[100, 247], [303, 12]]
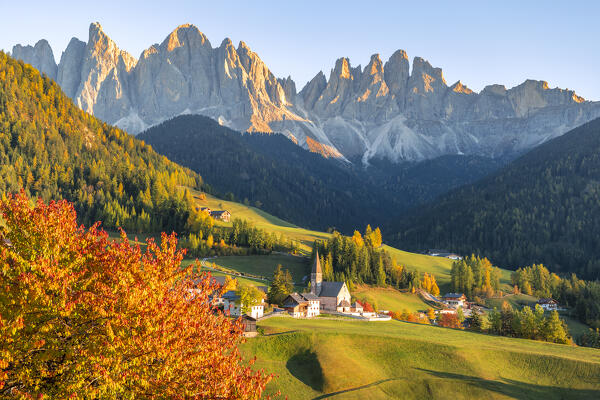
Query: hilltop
[[318, 359]]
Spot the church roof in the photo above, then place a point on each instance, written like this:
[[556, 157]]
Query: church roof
[[331, 289], [316, 269]]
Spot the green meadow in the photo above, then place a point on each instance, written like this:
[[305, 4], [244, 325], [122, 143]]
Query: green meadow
[[325, 359]]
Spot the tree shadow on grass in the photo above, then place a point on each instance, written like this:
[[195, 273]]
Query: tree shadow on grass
[[305, 367], [519, 390], [328, 395]]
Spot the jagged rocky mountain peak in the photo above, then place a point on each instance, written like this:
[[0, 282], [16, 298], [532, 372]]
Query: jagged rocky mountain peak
[[185, 35], [40, 55], [397, 110]]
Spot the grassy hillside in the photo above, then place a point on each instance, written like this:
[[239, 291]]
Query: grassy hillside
[[319, 359], [390, 299], [262, 220], [265, 265]]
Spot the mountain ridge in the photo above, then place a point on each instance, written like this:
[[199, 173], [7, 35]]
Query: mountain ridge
[[384, 110], [543, 207]]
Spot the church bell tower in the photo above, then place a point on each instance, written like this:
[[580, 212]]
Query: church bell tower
[[316, 276]]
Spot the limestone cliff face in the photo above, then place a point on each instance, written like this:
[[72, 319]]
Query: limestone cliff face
[[40, 56], [384, 110]]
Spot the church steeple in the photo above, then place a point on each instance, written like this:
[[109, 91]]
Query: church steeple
[[316, 276]]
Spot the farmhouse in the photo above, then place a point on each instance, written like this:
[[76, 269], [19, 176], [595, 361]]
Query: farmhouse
[[443, 253], [454, 300], [232, 303], [302, 305], [333, 296], [548, 304], [219, 281], [221, 215]]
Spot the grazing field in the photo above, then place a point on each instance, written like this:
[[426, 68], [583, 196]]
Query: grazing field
[[265, 265], [244, 281], [263, 220], [390, 299], [439, 266], [322, 359], [515, 300]]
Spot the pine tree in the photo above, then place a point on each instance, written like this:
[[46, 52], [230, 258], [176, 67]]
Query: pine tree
[[476, 323], [554, 330]]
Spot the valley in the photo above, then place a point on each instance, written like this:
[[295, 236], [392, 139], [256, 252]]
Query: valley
[[187, 224]]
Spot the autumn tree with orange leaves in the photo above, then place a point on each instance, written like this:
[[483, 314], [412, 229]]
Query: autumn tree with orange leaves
[[88, 317]]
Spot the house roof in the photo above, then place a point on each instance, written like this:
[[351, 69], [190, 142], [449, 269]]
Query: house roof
[[231, 295], [453, 295], [310, 296], [547, 301], [219, 279], [331, 289], [263, 289], [293, 299], [316, 269], [219, 212]]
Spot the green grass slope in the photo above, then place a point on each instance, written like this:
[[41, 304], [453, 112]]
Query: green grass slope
[[390, 299], [263, 220], [265, 265], [322, 359]]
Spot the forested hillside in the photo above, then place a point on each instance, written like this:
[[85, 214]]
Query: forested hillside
[[52, 149], [542, 208], [270, 171]]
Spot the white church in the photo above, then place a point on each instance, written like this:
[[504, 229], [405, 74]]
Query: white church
[[333, 296]]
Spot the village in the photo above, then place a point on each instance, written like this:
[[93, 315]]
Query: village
[[334, 300]]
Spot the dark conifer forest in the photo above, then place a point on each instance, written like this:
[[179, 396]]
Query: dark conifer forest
[[273, 173], [542, 208]]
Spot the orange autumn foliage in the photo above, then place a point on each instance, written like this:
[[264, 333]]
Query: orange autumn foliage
[[84, 316], [449, 321]]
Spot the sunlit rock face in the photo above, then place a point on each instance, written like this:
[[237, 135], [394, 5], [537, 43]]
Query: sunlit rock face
[[384, 110]]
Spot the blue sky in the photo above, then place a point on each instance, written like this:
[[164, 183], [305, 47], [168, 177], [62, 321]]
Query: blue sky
[[479, 42]]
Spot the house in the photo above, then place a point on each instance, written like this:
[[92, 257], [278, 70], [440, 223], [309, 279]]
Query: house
[[548, 304], [216, 299], [302, 305], [455, 300], [333, 296], [443, 253], [205, 209], [232, 303], [221, 215]]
